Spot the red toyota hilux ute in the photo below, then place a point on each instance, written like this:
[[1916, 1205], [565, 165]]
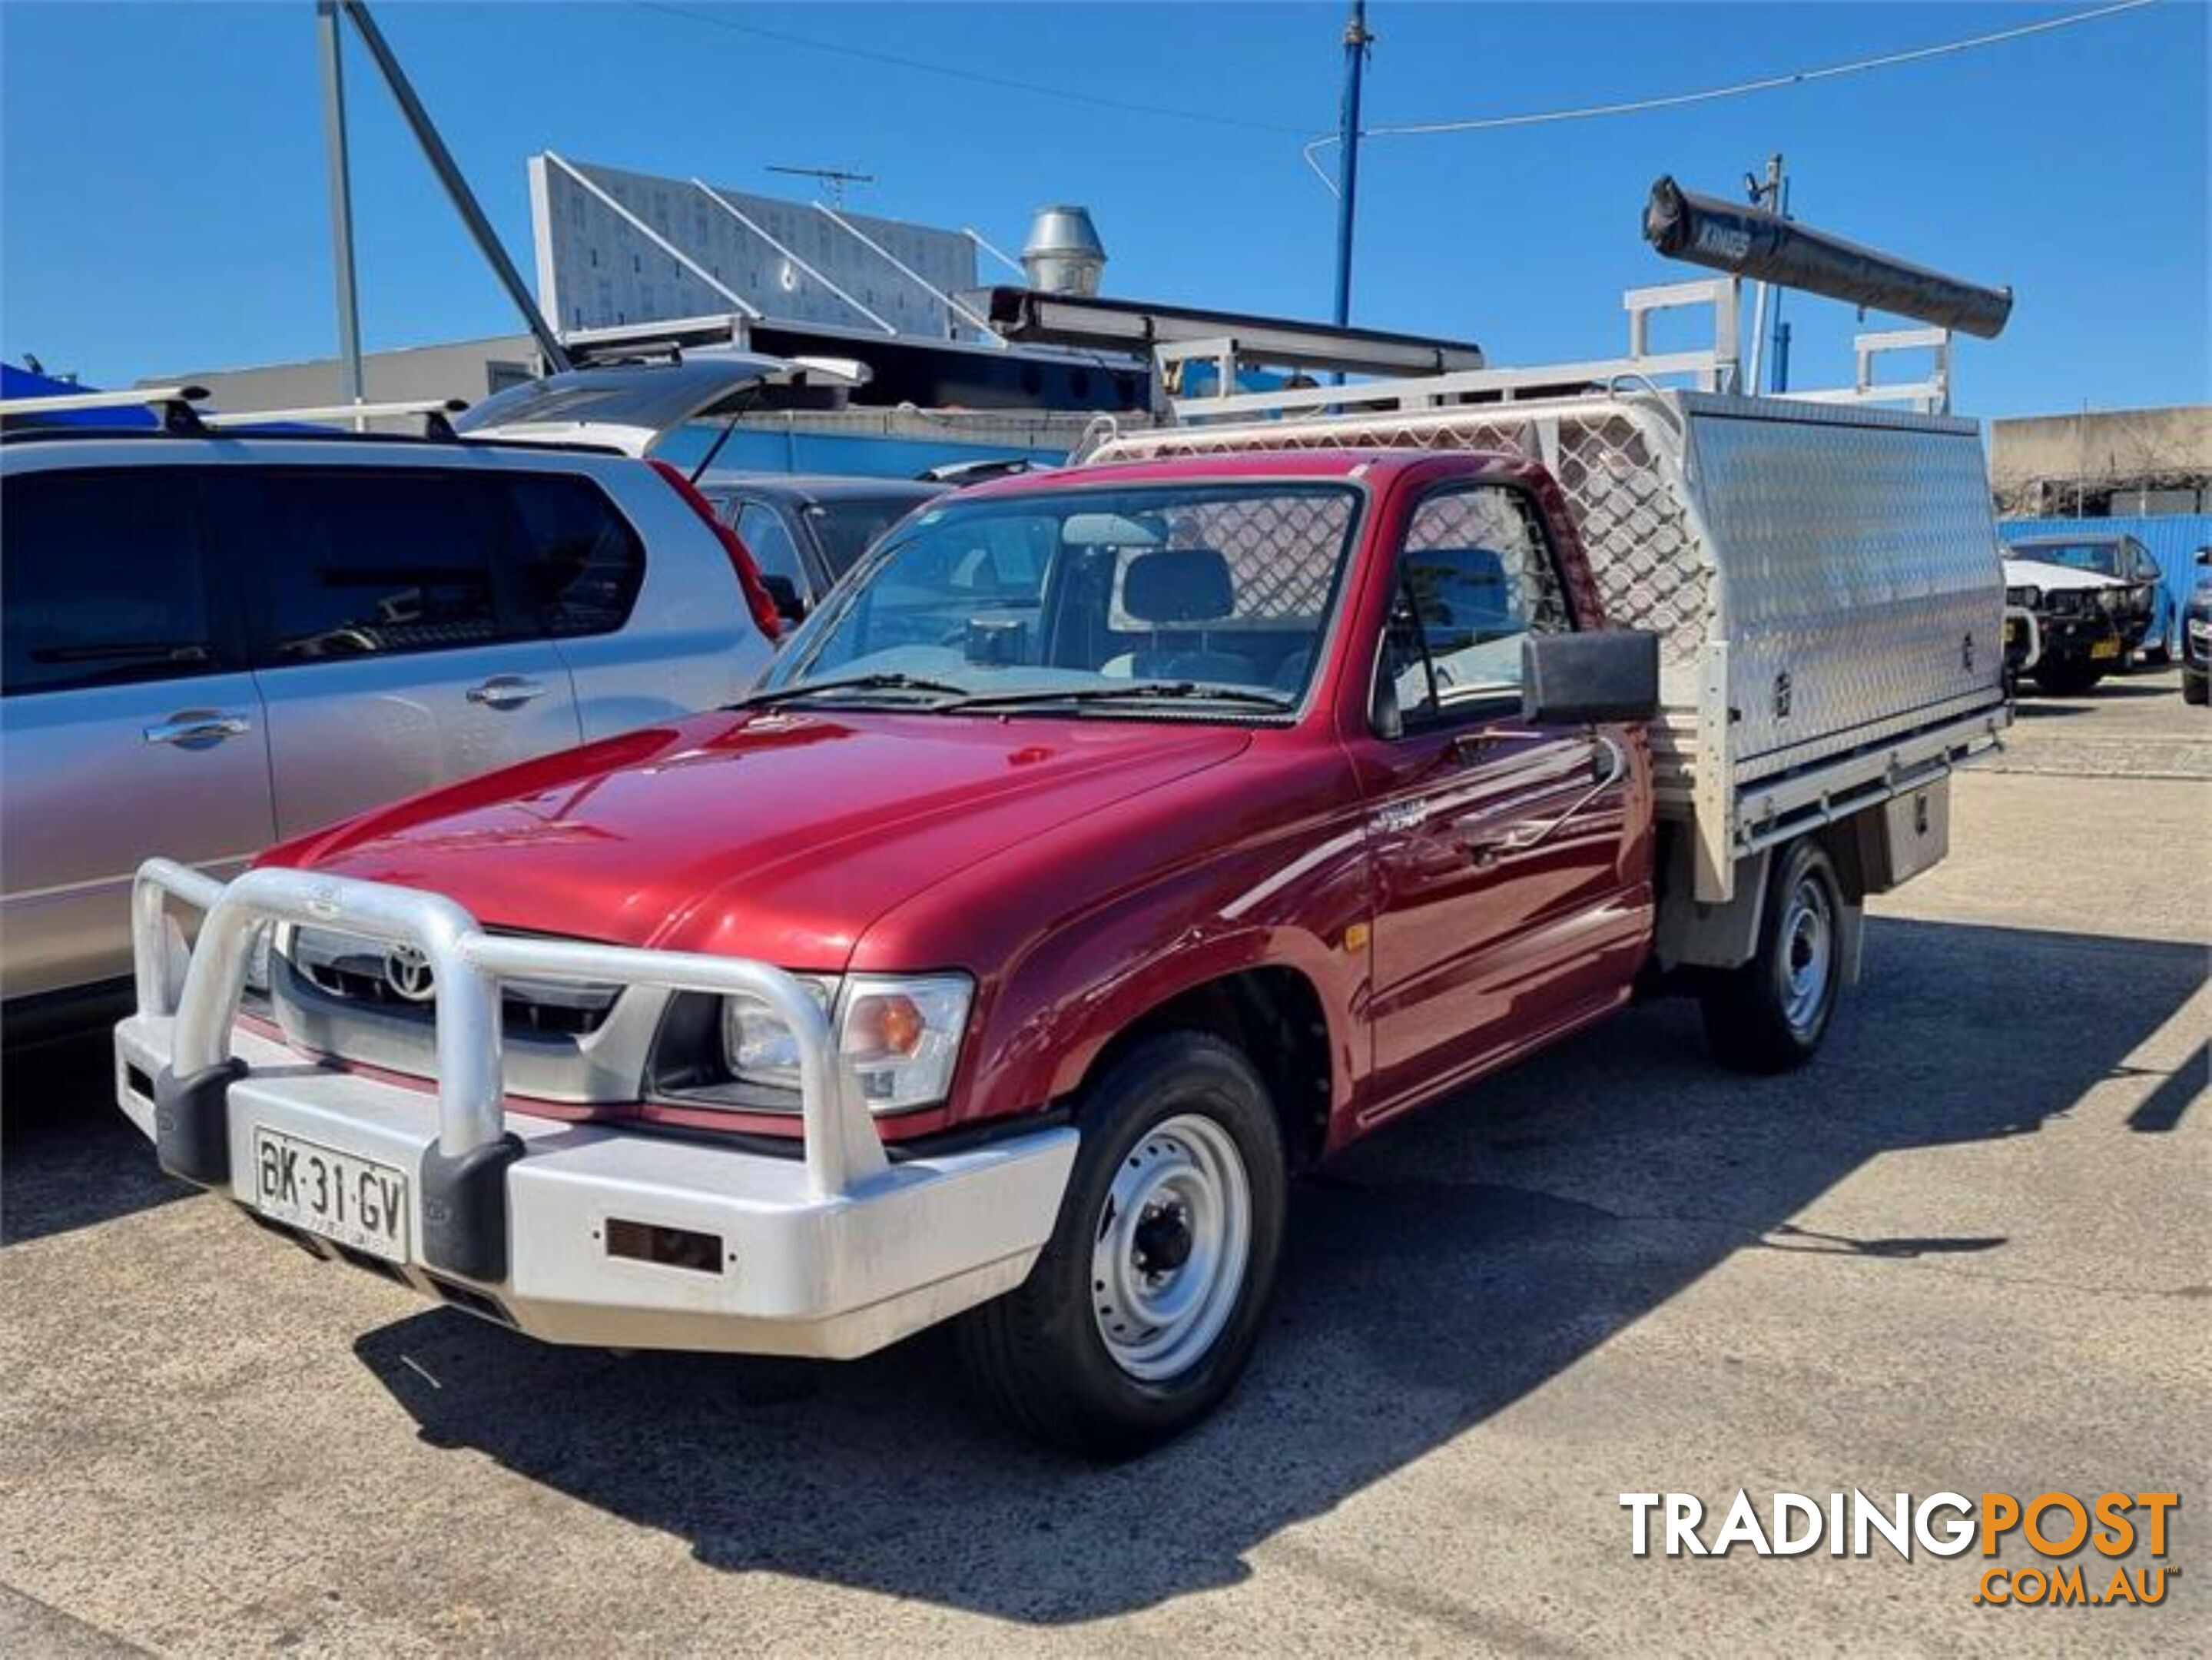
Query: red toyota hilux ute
[[1110, 846]]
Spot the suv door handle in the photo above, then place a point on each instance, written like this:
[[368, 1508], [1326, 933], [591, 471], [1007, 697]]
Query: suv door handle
[[505, 691], [190, 726], [1613, 767]]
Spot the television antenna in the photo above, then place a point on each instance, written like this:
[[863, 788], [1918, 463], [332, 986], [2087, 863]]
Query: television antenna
[[833, 180]]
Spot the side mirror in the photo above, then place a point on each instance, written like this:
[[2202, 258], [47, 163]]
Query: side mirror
[[1574, 680], [784, 591]]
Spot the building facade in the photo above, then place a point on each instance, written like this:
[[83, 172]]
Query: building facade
[[2103, 463]]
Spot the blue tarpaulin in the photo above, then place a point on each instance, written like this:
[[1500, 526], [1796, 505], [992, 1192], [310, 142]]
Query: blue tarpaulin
[[2172, 538], [19, 382]]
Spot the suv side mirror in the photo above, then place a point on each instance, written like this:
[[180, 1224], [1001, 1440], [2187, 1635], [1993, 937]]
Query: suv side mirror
[[784, 591], [1574, 680]]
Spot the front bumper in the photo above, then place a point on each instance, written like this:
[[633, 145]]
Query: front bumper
[[834, 1252], [2081, 639]]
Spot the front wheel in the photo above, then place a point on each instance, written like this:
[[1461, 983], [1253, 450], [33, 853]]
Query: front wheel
[[1770, 1014], [1140, 1313]]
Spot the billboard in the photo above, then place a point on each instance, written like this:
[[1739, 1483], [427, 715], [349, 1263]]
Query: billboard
[[617, 247]]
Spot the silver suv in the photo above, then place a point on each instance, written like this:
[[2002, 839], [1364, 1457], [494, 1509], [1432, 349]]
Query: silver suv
[[215, 643]]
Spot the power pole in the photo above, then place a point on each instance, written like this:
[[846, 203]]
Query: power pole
[[1357, 40], [1769, 197], [457, 188], [341, 177]]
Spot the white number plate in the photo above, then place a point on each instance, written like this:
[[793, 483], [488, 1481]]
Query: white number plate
[[353, 1201]]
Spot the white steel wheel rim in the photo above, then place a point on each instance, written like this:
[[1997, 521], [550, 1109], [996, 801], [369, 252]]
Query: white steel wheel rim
[[1171, 1248], [1808, 955]]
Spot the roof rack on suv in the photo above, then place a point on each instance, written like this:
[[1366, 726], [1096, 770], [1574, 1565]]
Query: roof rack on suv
[[435, 413], [172, 404], [174, 407]]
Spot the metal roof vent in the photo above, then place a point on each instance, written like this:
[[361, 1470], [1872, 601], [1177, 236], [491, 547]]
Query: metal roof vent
[[1064, 254]]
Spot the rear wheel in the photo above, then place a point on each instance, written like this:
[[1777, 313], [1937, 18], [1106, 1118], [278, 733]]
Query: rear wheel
[[1770, 1014], [2193, 688], [1141, 1312]]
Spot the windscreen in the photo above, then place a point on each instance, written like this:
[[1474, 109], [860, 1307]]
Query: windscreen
[[846, 526], [1114, 596], [2101, 557]]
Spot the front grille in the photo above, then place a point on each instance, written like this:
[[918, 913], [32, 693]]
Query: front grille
[[367, 974]]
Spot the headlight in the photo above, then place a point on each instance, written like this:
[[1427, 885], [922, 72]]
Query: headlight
[[2111, 599], [2026, 599], [900, 1034], [757, 1047]]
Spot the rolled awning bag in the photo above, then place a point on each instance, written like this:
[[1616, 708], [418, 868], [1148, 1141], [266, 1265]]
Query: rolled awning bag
[[1749, 241]]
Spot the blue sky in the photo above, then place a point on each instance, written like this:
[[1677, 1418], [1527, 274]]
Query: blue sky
[[162, 203]]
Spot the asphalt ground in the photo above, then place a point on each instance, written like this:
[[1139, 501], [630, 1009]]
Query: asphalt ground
[[1969, 1250]]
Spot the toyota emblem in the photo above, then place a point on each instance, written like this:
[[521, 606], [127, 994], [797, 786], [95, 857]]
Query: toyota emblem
[[407, 971]]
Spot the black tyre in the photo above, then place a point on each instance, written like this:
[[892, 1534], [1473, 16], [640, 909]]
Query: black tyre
[[2068, 678], [1141, 1312], [2194, 688], [1770, 1014]]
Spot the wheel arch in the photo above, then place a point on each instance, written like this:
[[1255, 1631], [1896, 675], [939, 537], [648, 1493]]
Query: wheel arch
[[1274, 1014]]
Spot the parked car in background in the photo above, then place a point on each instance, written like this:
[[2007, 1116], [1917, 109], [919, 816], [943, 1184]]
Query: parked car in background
[[216, 641], [2078, 614], [806, 532], [2197, 633], [2023, 634], [2140, 613]]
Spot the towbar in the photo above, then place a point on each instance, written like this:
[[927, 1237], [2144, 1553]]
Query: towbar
[[466, 965]]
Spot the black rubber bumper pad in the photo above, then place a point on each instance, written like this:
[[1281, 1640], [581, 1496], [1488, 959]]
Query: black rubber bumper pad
[[191, 1122], [464, 1209]]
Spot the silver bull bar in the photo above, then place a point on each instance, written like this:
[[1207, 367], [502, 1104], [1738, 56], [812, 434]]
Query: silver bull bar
[[464, 1173]]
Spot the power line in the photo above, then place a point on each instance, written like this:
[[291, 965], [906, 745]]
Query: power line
[[1741, 88], [954, 72]]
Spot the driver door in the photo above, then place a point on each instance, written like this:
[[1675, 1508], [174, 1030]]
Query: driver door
[[1502, 853]]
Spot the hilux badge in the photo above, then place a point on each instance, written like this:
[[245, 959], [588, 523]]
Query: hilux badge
[[407, 971]]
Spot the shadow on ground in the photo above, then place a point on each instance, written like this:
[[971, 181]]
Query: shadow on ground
[[68, 1157], [1436, 1275]]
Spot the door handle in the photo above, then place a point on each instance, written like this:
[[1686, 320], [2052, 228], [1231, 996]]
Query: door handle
[[505, 691], [191, 727], [1612, 762]]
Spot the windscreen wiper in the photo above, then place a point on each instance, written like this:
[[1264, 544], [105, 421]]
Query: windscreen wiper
[[884, 682], [1132, 691]]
